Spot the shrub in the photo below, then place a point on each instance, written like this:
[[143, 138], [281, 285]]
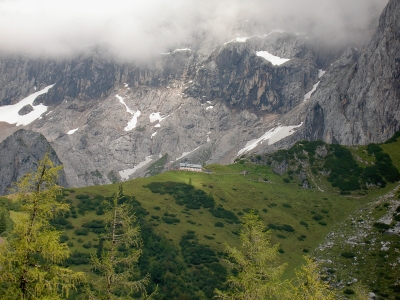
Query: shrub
[[286, 180], [380, 225], [170, 220], [81, 196], [318, 217], [78, 258], [81, 231], [304, 223], [348, 292], [219, 224], [287, 205], [222, 213], [348, 254], [64, 238]]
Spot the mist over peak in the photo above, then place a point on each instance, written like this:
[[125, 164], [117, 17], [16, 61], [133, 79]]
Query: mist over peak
[[137, 30]]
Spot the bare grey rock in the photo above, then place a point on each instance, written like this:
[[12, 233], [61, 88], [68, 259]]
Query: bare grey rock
[[25, 110], [20, 153]]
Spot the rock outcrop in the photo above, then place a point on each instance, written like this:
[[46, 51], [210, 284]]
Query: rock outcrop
[[19, 154], [358, 101]]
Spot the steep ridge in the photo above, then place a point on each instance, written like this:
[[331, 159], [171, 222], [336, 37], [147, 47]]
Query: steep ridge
[[358, 102], [20, 153]]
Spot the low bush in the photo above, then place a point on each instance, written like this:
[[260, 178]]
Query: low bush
[[219, 224], [348, 254]]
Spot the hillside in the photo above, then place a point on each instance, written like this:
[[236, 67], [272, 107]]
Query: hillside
[[187, 219]]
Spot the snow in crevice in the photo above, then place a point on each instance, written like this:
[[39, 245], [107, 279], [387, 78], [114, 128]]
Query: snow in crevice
[[244, 39], [186, 153], [72, 131], [308, 95], [275, 60], [153, 135], [135, 115], [127, 172], [154, 117], [157, 125], [176, 50], [271, 136], [9, 113], [209, 107], [321, 73]]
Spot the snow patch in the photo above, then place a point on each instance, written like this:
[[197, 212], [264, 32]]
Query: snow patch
[[272, 136], [321, 73], [156, 117], [208, 139], [72, 131], [158, 125], [308, 95], [153, 135], [275, 60], [9, 113], [127, 172], [186, 153], [209, 107], [135, 115]]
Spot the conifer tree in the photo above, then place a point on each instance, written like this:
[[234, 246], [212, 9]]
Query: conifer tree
[[259, 273], [117, 268], [31, 256], [309, 285]]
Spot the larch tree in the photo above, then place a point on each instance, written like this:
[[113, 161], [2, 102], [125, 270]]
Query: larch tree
[[309, 285], [31, 256], [258, 271], [116, 268]]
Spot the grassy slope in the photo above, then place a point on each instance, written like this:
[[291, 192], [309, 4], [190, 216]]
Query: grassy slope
[[277, 203], [237, 193]]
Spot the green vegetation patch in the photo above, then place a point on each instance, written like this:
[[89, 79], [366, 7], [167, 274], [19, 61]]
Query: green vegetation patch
[[184, 194]]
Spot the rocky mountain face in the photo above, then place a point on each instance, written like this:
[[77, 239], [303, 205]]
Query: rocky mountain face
[[109, 121], [358, 100], [20, 153]]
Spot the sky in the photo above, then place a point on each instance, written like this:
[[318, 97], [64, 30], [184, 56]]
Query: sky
[[139, 29]]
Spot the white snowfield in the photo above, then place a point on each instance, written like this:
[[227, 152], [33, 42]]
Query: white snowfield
[[272, 136], [9, 113], [135, 115], [72, 131], [275, 60], [308, 95], [127, 172]]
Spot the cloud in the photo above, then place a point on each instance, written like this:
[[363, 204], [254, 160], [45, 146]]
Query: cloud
[[138, 29]]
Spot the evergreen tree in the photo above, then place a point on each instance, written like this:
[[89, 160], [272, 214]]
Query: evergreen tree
[[259, 273], [309, 284], [31, 256], [3, 221], [116, 267]]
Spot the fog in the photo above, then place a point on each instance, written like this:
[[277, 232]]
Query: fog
[[139, 29]]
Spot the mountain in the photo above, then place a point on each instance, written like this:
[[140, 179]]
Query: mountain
[[109, 120], [20, 153]]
